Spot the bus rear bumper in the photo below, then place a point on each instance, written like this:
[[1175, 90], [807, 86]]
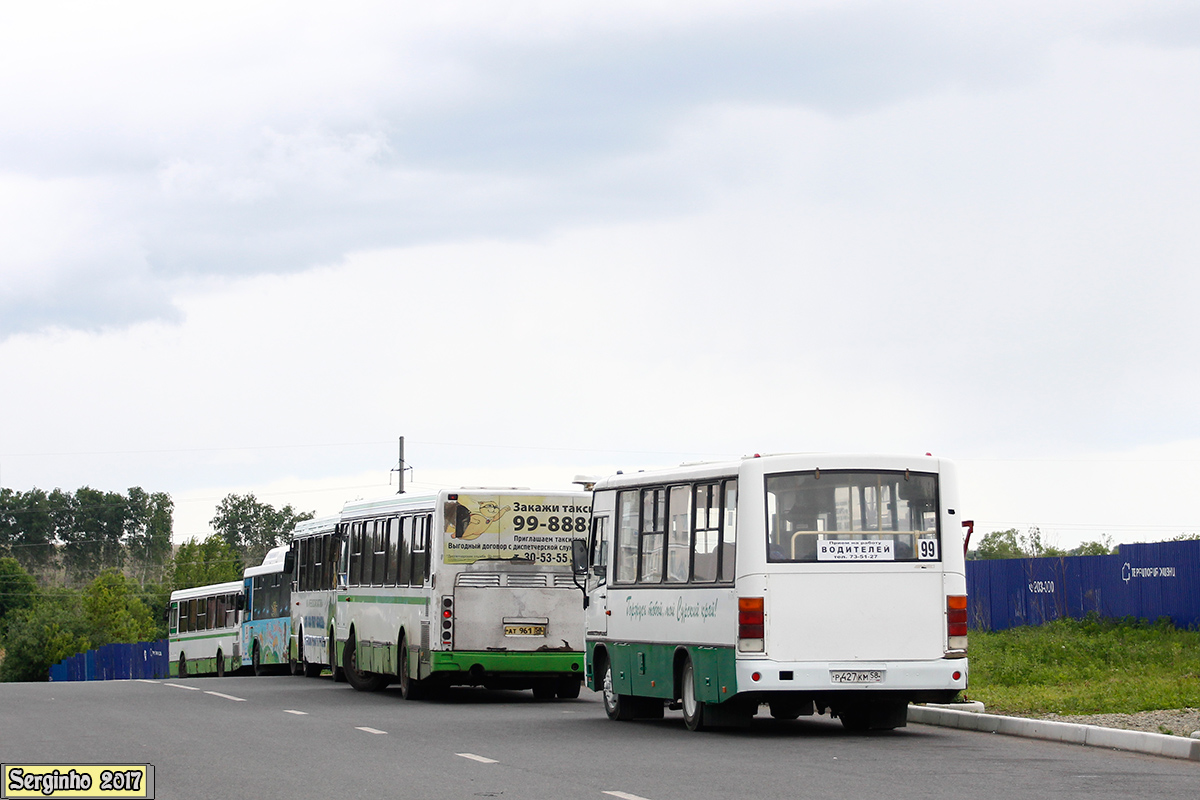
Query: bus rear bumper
[[938, 675], [460, 664]]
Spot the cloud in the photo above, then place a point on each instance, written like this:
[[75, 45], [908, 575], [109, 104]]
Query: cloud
[[252, 143]]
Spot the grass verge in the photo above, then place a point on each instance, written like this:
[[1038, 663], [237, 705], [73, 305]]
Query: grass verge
[[1091, 666]]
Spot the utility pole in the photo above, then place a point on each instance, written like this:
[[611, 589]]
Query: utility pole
[[401, 468]]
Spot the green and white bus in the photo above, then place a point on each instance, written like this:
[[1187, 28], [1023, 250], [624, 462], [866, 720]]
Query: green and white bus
[[469, 586], [801, 582], [316, 549], [205, 629]]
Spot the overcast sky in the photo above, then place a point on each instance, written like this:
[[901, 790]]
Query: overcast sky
[[244, 247]]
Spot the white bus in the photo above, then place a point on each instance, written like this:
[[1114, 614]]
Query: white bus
[[804, 582], [205, 629], [316, 549], [267, 622], [470, 586]]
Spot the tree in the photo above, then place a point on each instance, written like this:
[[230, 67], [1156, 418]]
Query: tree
[[252, 528], [37, 638], [1012, 543], [114, 612], [148, 526], [1000, 544], [1103, 548], [18, 589], [93, 539], [205, 563], [27, 528]]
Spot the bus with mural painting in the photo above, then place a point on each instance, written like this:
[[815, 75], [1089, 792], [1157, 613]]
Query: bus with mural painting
[[468, 587], [794, 583], [316, 549], [204, 635], [267, 621]]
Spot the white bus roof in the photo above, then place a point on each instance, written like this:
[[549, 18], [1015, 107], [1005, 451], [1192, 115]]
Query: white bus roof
[[772, 462], [313, 527], [414, 501], [229, 587], [272, 562]]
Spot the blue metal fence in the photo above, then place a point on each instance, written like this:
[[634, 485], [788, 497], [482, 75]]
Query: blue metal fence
[[115, 662], [1146, 581]]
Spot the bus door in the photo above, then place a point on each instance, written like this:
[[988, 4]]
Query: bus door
[[596, 582]]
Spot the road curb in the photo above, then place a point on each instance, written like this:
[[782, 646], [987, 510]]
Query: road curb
[[1155, 744]]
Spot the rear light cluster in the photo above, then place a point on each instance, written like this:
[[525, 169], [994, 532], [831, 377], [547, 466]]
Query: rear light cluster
[[751, 624], [956, 623], [447, 620]]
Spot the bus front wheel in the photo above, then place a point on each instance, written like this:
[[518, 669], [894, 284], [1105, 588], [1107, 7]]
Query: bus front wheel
[[220, 664], [334, 669], [362, 681], [182, 666], [616, 706]]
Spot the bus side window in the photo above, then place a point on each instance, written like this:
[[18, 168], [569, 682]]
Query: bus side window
[[598, 552], [356, 553], [627, 537], [407, 525], [393, 551], [368, 553], [654, 534], [729, 532], [679, 532], [708, 533], [420, 549]]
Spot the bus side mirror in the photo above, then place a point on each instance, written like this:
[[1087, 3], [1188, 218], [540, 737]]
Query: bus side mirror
[[241, 602], [289, 562], [579, 556]]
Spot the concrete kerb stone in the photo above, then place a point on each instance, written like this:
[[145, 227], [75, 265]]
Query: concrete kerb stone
[[1155, 744]]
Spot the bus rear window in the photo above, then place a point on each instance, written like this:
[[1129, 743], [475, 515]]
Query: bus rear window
[[849, 515]]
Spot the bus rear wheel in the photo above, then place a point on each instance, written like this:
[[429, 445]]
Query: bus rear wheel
[[568, 688], [410, 687], [879, 716], [693, 709], [182, 666], [220, 664], [256, 662]]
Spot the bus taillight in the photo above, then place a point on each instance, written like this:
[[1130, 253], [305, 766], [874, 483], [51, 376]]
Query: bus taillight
[[447, 620], [751, 629], [956, 622]]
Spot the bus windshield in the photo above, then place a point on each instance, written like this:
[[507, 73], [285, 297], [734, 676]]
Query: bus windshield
[[848, 515]]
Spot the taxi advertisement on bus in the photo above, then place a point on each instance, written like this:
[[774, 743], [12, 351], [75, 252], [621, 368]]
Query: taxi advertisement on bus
[[498, 527]]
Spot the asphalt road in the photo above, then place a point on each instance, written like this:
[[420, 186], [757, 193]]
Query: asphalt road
[[288, 737]]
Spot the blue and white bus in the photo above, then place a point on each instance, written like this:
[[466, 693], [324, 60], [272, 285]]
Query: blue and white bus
[[267, 624]]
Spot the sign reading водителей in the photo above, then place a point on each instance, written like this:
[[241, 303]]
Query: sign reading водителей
[[107, 781]]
